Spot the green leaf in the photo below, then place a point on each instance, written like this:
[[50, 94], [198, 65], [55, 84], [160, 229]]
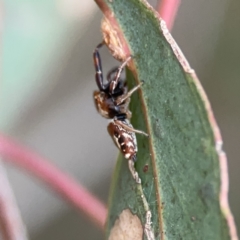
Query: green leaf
[[179, 164]]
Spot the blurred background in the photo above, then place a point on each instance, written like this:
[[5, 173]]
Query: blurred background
[[46, 98]]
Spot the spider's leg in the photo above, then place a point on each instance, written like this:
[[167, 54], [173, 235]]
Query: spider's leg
[[127, 126], [128, 114], [98, 67], [116, 79], [126, 96], [123, 108], [110, 74], [110, 77]]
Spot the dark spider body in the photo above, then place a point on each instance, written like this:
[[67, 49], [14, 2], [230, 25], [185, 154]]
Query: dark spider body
[[112, 102]]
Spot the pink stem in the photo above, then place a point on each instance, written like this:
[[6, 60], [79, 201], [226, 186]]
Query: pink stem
[[11, 224], [168, 10], [54, 178]]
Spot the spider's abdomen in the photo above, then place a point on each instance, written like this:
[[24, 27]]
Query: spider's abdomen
[[124, 140]]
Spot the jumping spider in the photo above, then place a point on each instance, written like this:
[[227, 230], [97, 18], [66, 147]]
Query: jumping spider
[[112, 102]]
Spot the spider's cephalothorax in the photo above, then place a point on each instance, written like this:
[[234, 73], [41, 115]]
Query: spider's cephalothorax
[[112, 102]]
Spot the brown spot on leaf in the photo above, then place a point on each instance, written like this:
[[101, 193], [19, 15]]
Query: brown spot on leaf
[[145, 168], [112, 40], [126, 227], [193, 218]]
